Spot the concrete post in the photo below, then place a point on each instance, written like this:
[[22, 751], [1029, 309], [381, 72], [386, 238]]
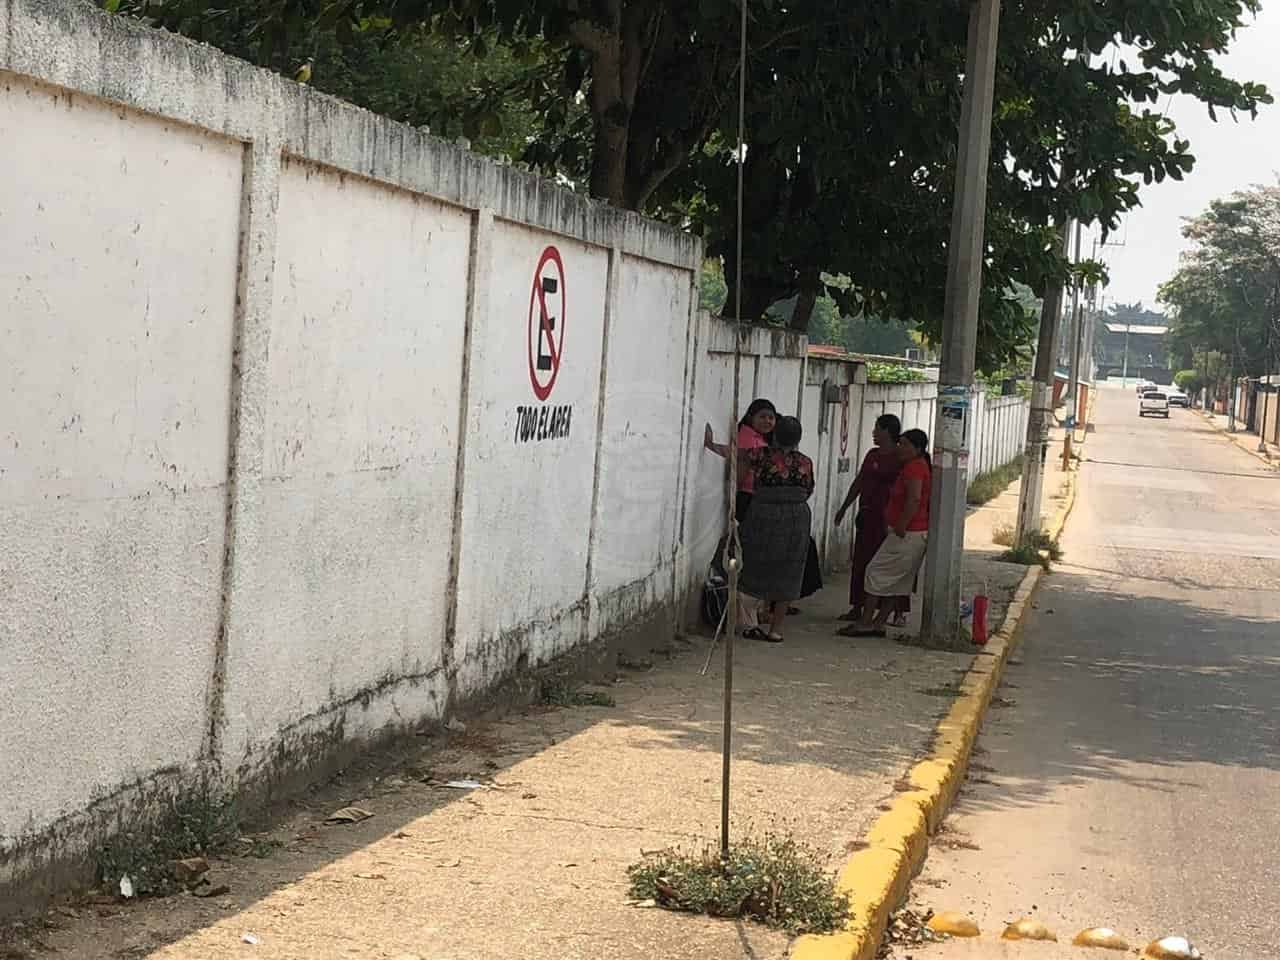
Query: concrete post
[[1037, 441], [1073, 345], [941, 619], [249, 386]]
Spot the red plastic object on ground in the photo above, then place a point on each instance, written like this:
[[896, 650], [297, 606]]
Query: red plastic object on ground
[[980, 620]]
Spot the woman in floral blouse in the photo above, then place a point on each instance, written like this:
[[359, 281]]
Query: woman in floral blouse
[[775, 536]]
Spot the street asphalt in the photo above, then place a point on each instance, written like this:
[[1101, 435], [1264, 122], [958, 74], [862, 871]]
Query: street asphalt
[[1128, 774]]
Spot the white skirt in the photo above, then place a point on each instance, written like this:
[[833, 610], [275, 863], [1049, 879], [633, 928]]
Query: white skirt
[[892, 571]]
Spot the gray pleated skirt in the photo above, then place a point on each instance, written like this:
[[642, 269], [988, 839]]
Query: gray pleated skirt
[[775, 543]]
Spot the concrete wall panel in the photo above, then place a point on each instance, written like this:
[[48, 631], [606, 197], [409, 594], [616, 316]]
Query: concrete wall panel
[[641, 447], [116, 315], [527, 502], [365, 372]]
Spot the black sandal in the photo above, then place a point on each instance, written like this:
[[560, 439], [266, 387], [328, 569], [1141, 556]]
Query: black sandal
[[754, 633]]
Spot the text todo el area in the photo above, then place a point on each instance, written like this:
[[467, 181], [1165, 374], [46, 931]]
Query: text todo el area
[[535, 424]]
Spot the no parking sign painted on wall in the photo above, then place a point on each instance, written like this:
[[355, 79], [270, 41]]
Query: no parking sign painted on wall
[[546, 339]]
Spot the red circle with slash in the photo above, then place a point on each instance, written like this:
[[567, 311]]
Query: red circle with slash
[[546, 322]]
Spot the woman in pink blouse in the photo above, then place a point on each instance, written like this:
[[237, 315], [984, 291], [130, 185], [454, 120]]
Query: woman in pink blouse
[[755, 430]]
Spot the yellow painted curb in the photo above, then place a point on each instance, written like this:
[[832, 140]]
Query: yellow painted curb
[[1088, 417], [877, 879], [1059, 521]]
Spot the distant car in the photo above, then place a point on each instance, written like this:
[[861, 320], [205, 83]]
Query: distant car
[[1154, 403], [1144, 386], [1177, 398]]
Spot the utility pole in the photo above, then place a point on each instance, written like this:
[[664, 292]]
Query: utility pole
[[941, 619], [1264, 387], [1073, 370], [1037, 448], [1231, 381]]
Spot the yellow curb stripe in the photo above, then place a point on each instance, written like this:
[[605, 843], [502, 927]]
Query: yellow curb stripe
[[877, 879]]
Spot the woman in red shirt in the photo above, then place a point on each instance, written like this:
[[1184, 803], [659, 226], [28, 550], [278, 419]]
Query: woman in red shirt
[[893, 570], [872, 488]]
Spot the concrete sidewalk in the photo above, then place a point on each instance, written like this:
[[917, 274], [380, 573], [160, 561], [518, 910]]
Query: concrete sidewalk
[[1245, 439], [533, 863]]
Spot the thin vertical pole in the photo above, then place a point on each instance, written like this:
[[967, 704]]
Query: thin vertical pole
[[1260, 420], [735, 563]]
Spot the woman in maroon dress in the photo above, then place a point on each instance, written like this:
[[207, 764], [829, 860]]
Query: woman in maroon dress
[[871, 488]]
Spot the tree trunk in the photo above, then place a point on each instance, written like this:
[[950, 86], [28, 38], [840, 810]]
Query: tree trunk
[[610, 118], [609, 161], [611, 72], [809, 288]]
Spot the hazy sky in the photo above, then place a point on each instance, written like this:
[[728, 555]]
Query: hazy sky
[[1229, 155]]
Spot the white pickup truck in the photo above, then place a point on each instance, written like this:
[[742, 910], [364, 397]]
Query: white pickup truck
[[1154, 403]]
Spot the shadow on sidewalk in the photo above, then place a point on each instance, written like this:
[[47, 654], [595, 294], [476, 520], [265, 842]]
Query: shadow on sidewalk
[[533, 862]]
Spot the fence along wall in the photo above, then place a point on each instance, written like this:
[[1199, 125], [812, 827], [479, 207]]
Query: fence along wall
[[295, 453]]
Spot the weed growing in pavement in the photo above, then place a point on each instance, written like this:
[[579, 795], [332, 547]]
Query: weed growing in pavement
[[260, 848], [557, 693], [1035, 548], [944, 690], [1004, 535], [775, 880], [989, 485], [195, 824]]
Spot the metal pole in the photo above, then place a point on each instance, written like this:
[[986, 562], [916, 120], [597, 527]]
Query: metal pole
[[1231, 382], [731, 620], [941, 621], [1124, 375], [1262, 384]]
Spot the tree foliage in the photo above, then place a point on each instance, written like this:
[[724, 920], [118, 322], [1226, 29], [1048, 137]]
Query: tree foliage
[[1226, 292], [852, 112], [1189, 382], [850, 170]]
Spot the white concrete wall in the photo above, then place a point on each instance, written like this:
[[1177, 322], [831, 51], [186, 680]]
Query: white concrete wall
[[281, 470], [526, 503], [117, 302], [642, 450], [264, 492], [364, 375]]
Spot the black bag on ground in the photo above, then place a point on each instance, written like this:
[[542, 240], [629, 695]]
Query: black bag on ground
[[715, 588], [715, 597]]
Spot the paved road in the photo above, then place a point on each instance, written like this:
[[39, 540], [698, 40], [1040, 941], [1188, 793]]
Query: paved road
[[1129, 776]]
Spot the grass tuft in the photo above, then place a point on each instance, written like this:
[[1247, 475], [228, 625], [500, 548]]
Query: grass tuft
[[774, 880], [196, 824], [558, 693], [1036, 548], [989, 485]]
